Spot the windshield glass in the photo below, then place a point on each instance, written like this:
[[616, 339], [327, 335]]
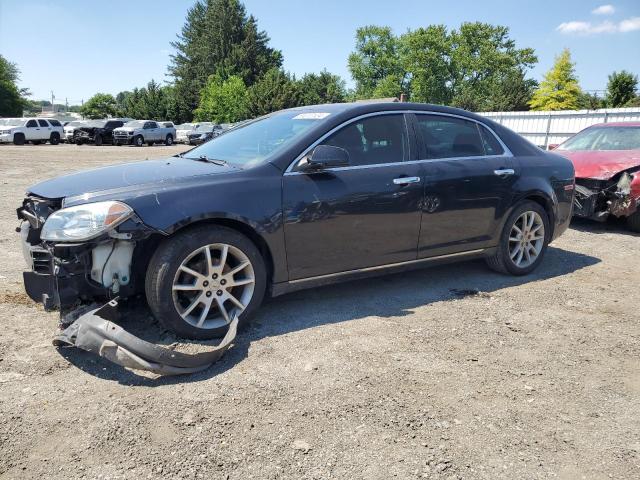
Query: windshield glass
[[75, 123], [252, 143], [96, 123], [604, 138], [184, 126], [135, 124]]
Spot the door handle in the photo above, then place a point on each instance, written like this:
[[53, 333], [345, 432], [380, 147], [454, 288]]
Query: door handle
[[406, 180], [503, 172]]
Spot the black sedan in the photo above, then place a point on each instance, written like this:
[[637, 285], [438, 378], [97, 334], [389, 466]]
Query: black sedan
[[96, 131], [297, 199]]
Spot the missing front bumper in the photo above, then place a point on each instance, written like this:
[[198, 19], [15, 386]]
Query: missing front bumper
[[96, 332]]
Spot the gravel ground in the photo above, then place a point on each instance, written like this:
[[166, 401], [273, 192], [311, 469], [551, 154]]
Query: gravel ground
[[406, 376]]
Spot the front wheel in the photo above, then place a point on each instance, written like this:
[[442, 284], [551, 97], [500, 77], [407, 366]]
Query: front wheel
[[98, 140], [18, 139], [198, 280], [523, 241], [138, 141]]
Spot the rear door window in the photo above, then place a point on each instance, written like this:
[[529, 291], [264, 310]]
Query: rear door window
[[449, 137]]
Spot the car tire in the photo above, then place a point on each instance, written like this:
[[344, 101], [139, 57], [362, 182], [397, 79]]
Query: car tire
[[18, 139], [138, 141], [98, 140], [168, 141], [521, 253], [633, 221], [54, 139], [188, 250]]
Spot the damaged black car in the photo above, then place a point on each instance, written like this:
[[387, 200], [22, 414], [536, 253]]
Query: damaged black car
[[296, 199], [97, 132]]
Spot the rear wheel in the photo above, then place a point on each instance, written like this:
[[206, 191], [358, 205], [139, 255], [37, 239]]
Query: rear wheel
[[138, 141], [633, 221], [523, 241], [18, 139], [169, 140], [200, 279], [54, 139]]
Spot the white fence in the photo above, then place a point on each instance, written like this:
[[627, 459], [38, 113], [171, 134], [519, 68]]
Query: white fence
[[549, 128]]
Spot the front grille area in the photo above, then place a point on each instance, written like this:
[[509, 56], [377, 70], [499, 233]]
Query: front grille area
[[41, 261]]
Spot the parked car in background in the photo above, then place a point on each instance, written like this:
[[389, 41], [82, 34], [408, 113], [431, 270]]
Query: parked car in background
[[34, 130], [183, 130], [70, 128], [97, 131], [607, 162], [296, 199], [139, 132], [204, 133]]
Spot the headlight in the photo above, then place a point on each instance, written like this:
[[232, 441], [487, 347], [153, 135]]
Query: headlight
[[84, 222]]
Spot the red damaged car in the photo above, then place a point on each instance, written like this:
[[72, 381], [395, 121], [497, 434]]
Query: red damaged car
[[606, 158]]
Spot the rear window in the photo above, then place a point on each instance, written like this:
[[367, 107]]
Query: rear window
[[450, 137], [55, 123]]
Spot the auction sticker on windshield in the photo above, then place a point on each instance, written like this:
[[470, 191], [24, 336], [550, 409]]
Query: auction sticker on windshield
[[311, 116]]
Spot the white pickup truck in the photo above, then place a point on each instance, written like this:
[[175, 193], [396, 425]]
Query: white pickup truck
[[139, 132], [35, 130]]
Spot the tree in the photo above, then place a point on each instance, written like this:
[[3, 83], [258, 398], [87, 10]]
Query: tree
[[477, 67], [217, 38], [590, 101], [12, 101], [621, 88], [222, 101], [323, 87], [560, 89], [101, 105], [376, 61], [276, 90]]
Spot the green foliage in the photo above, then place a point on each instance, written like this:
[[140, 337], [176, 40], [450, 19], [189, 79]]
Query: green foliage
[[274, 91], [477, 67], [560, 89], [223, 101], [634, 102], [621, 88], [590, 101], [323, 87], [217, 38], [12, 101], [101, 105], [153, 102]]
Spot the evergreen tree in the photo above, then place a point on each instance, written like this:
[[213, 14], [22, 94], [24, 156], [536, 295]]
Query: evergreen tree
[[276, 90], [320, 88], [560, 89], [217, 38]]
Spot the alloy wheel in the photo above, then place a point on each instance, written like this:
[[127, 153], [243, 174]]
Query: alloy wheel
[[526, 239], [213, 284]]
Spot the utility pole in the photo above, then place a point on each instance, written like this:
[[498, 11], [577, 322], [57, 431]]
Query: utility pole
[[53, 108]]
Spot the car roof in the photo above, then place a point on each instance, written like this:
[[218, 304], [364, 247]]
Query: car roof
[[616, 124]]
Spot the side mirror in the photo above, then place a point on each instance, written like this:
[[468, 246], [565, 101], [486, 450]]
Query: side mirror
[[326, 156]]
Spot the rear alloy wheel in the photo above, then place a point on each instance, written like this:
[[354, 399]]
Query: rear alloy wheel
[[169, 140], [18, 139], [523, 241], [138, 141], [54, 139], [198, 281]]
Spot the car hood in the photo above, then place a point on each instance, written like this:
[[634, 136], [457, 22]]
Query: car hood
[[124, 177], [124, 129], [601, 164]]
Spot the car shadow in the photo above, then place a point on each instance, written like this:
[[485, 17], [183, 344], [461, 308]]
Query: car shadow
[[393, 295], [611, 225]]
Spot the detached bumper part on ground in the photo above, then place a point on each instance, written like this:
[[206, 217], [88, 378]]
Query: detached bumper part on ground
[[96, 332]]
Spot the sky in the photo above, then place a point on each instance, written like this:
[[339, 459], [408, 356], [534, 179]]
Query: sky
[[78, 48]]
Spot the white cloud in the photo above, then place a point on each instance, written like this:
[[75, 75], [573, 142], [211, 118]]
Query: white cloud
[[604, 10], [630, 24], [588, 28]]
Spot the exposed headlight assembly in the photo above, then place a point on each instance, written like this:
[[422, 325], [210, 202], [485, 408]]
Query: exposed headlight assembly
[[84, 222]]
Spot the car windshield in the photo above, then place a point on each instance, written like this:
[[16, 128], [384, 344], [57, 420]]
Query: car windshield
[[135, 124], [255, 141], [75, 123], [604, 138], [96, 123]]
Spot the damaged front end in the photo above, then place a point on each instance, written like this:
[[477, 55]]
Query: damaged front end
[[64, 275], [596, 199]]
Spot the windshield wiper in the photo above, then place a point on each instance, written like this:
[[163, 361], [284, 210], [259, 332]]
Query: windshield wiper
[[215, 161]]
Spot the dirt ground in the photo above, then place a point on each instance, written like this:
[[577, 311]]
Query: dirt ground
[[405, 376]]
